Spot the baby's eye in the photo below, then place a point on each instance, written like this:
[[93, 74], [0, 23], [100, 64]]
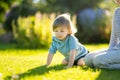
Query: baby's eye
[[62, 31], [55, 31]]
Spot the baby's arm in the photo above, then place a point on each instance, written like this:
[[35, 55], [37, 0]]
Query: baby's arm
[[49, 59], [71, 58]]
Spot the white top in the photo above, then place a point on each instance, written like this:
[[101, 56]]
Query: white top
[[115, 34]]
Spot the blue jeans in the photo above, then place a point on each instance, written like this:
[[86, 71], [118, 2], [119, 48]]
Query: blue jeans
[[109, 59]]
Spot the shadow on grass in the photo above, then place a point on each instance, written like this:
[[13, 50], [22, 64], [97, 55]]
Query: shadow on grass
[[85, 68], [105, 74], [108, 75], [37, 71]]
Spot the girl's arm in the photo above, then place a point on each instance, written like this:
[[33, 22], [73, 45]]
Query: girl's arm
[[49, 59], [71, 58]]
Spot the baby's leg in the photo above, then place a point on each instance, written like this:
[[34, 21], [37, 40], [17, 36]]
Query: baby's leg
[[81, 62], [65, 62]]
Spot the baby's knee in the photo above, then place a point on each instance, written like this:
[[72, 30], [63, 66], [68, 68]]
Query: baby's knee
[[81, 62], [64, 62]]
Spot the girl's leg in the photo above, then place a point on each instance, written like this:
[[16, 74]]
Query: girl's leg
[[109, 60], [88, 59]]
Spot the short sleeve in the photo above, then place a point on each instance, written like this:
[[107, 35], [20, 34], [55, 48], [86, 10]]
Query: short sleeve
[[53, 48], [73, 43]]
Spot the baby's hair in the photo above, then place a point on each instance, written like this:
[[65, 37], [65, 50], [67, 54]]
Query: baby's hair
[[64, 20]]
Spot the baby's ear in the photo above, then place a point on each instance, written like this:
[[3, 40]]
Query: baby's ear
[[69, 32]]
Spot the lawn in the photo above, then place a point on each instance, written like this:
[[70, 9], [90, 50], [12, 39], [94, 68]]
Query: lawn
[[27, 64]]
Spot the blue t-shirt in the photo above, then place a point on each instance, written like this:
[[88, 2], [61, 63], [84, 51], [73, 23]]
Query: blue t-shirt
[[64, 47]]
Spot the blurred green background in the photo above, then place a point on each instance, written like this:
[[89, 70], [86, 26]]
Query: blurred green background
[[27, 23]]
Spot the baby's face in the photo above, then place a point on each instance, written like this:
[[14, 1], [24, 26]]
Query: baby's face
[[117, 1], [61, 32]]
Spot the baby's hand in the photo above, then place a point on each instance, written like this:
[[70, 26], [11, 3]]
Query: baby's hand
[[47, 66], [44, 65], [66, 67]]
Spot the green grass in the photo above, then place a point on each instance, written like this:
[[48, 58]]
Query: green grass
[[29, 65]]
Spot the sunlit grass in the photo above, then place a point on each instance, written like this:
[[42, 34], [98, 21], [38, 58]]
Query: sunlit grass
[[29, 65], [94, 47]]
